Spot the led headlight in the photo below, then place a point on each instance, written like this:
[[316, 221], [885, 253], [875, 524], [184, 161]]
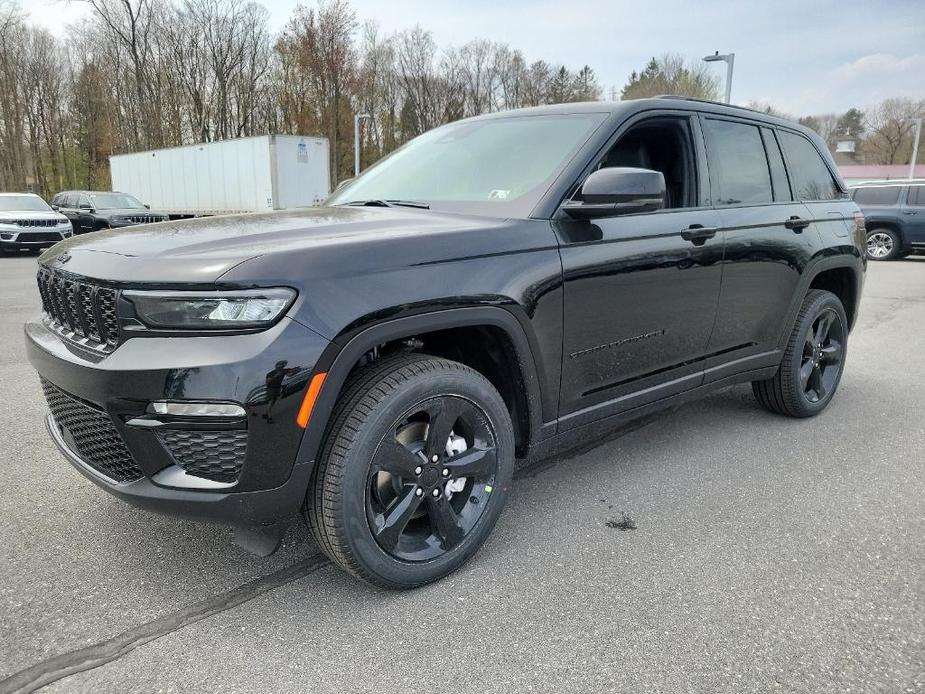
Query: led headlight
[[231, 310]]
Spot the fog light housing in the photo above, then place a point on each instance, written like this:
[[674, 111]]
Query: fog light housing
[[196, 409]]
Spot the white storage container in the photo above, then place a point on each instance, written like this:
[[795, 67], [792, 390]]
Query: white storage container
[[268, 172]]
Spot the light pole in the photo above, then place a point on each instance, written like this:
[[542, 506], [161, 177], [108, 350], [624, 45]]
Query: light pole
[[356, 141], [729, 59], [915, 146]]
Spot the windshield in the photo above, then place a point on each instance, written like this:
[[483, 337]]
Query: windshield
[[115, 201], [498, 166], [23, 203]]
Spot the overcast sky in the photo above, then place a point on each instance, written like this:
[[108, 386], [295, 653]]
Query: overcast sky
[[807, 57]]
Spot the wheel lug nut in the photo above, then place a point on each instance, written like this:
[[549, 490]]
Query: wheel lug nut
[[445, 473], [418, 492], [436, 492], [435, 458], [418, 470]]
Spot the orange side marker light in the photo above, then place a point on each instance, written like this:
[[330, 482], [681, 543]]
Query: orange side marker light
[[308, 403]]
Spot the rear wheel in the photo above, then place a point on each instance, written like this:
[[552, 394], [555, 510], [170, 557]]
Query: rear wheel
[[883, 244], [415, 470], [812, 366]]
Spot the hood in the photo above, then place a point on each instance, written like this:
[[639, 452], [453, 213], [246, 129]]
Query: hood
[[202, 250]]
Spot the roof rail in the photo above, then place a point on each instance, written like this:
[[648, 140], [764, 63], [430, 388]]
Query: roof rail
[[694, 99]]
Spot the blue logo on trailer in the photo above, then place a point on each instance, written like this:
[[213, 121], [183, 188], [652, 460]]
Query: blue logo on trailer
[[302, 155]]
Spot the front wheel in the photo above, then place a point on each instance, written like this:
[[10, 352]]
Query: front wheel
[[811, 368], [414, 472]]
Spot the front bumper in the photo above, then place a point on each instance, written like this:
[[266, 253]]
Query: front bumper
[[23, 240], [264, 372]]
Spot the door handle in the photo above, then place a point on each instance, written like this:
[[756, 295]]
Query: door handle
[[797, 224], [908, 211], [698, 234]]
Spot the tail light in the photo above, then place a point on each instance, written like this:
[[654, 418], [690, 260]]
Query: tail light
[[860, 230]]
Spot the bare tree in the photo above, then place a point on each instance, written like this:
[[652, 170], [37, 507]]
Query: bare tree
[[889, 131]]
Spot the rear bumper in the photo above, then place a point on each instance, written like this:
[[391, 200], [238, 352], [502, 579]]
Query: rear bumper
[[269, 481]]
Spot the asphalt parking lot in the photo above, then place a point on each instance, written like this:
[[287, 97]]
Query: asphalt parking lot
[[770, 555]]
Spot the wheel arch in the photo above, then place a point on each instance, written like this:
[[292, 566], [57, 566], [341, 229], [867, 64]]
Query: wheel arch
[[874, 223], [843, 275], [521, 392]]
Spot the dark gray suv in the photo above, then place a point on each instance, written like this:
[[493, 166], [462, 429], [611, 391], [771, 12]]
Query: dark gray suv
[[894, 212]]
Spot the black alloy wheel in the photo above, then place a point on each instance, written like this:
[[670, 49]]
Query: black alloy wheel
[[822, 356], [430, 478], [813, 360], [414, 472]]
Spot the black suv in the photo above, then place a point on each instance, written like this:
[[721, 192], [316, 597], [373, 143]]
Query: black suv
[[502, 287], [895, 214], [92, 210]]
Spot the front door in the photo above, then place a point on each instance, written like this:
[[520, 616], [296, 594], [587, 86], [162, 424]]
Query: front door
[[641, 290]]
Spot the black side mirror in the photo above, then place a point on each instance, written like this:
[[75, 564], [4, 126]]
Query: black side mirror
[[147, 207], [616, 191], [86, 207]]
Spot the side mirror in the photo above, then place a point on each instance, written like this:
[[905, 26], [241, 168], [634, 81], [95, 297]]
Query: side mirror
[[54, 207], [147, 207], [86, 207], [616, 191]]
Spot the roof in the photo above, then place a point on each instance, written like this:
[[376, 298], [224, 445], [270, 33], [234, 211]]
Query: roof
[[636, 105], [19, 194]]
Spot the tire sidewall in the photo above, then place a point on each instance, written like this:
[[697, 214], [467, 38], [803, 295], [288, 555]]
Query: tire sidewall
[[825, 302], [359, 536]]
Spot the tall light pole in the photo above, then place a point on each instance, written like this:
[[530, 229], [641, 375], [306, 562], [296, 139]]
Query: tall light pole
[[915, 146], [729, 59], [356, 140]]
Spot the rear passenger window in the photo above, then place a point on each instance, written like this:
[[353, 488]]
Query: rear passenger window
[[809, 176], [880, 195], [737, 163], [916, 197]]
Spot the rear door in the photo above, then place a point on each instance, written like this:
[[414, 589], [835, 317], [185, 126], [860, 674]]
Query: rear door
[[85, 213], [769, 239], [68, 207], [913, 215]]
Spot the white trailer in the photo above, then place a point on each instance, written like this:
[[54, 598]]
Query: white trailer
[[249, 174]]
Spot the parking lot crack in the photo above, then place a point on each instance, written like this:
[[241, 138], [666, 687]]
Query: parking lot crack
[[93, 656]]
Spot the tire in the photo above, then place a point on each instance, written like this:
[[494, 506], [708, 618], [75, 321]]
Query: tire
[[378, 503], [883, 244], [791, 391]]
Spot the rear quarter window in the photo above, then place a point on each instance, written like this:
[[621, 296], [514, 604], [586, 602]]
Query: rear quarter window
[[880, 195], [916, 197], [810, 178]]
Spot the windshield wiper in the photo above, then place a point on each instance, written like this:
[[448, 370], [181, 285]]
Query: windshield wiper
[[389, 203]]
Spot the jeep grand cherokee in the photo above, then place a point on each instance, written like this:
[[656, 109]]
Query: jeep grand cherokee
[[500, 287]]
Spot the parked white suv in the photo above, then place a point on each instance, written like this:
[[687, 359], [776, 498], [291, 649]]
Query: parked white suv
[[28, 223]]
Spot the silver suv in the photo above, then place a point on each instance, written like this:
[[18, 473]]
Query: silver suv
[[28, 223]]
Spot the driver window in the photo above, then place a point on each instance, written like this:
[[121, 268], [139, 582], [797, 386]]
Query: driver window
[[664, 145]]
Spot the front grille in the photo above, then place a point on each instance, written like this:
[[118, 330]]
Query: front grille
[[80, 310], [94, 436], [143, 219], [214, 455], [35, 223], [40, 236]]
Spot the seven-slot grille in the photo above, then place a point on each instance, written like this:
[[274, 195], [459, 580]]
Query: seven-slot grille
[[94, 436], [80, 310], [142, 219], [35, 222]]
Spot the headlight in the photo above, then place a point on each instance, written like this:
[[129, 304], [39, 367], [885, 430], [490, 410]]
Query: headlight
[[232, 310]]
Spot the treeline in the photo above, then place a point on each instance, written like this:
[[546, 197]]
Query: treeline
[[144, 74]]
